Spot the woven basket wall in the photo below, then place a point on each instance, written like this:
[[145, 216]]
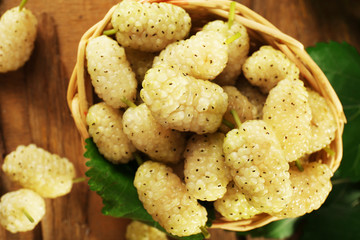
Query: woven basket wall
[[80, 94]]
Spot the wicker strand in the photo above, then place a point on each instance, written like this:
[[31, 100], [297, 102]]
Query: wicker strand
[[244, 225], [77, 89], [72, 87], [79, 80], [75, 109]]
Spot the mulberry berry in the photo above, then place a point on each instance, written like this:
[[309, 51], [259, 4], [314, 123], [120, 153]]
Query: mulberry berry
[[47, 174], [165, 198], [149, 27], [106, 129]]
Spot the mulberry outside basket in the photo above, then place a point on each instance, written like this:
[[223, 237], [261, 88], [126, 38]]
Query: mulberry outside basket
[[79, 94]]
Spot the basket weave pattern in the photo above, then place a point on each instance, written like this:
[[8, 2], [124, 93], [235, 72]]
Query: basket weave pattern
[[79, 97]]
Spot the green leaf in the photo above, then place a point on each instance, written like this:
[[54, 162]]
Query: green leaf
[[338, 218], [333, 222], [114, 184], [343, 192], [337, 222], [278, 229], [341, 64]]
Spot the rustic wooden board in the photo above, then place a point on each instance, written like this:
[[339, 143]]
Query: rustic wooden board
[[33, 99]]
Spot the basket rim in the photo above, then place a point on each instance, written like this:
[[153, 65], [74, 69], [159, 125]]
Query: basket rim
[[78, 102]]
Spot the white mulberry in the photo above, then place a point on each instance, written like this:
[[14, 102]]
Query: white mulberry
[[149, 26], [181, 102], [106, 129], [237, 53], [140, 231], [147, 135], [165, 198], [110, 71], [254, 95], [17, 36], [258, 165], [310, 189], [206, 175], [21, 210], [267, 66], [288, 112], [241, 104], [47, 174], [140, 62], [202, 56], [233, 206], [323, 125]]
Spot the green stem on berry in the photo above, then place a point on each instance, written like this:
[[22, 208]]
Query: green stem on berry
[[232, 38], [205, 232], [299, 166], [231, 14], [138, 158], [22, 4], [236, 118], [109, 32], [128, 102], [27, 215], [228, 123], [329, 151], [79, 179]]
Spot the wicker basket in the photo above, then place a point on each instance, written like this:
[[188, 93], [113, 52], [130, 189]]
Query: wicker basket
[[79, 95]]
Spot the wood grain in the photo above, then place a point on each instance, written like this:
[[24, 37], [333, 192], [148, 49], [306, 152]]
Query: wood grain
[[33, 99]]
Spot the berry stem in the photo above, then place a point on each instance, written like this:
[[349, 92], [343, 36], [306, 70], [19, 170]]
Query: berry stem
[[231, 14], [228, 123], [27, 215], [22, 4], [79, 179], [138, 158], [299, 166], [205, 232], [109, 32], [329, 151], [128, 102], [232, 38], [236, 118]]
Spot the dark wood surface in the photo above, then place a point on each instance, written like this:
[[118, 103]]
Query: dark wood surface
[[33, 105]]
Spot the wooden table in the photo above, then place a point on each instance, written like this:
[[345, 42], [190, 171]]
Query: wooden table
[[33, 99]]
